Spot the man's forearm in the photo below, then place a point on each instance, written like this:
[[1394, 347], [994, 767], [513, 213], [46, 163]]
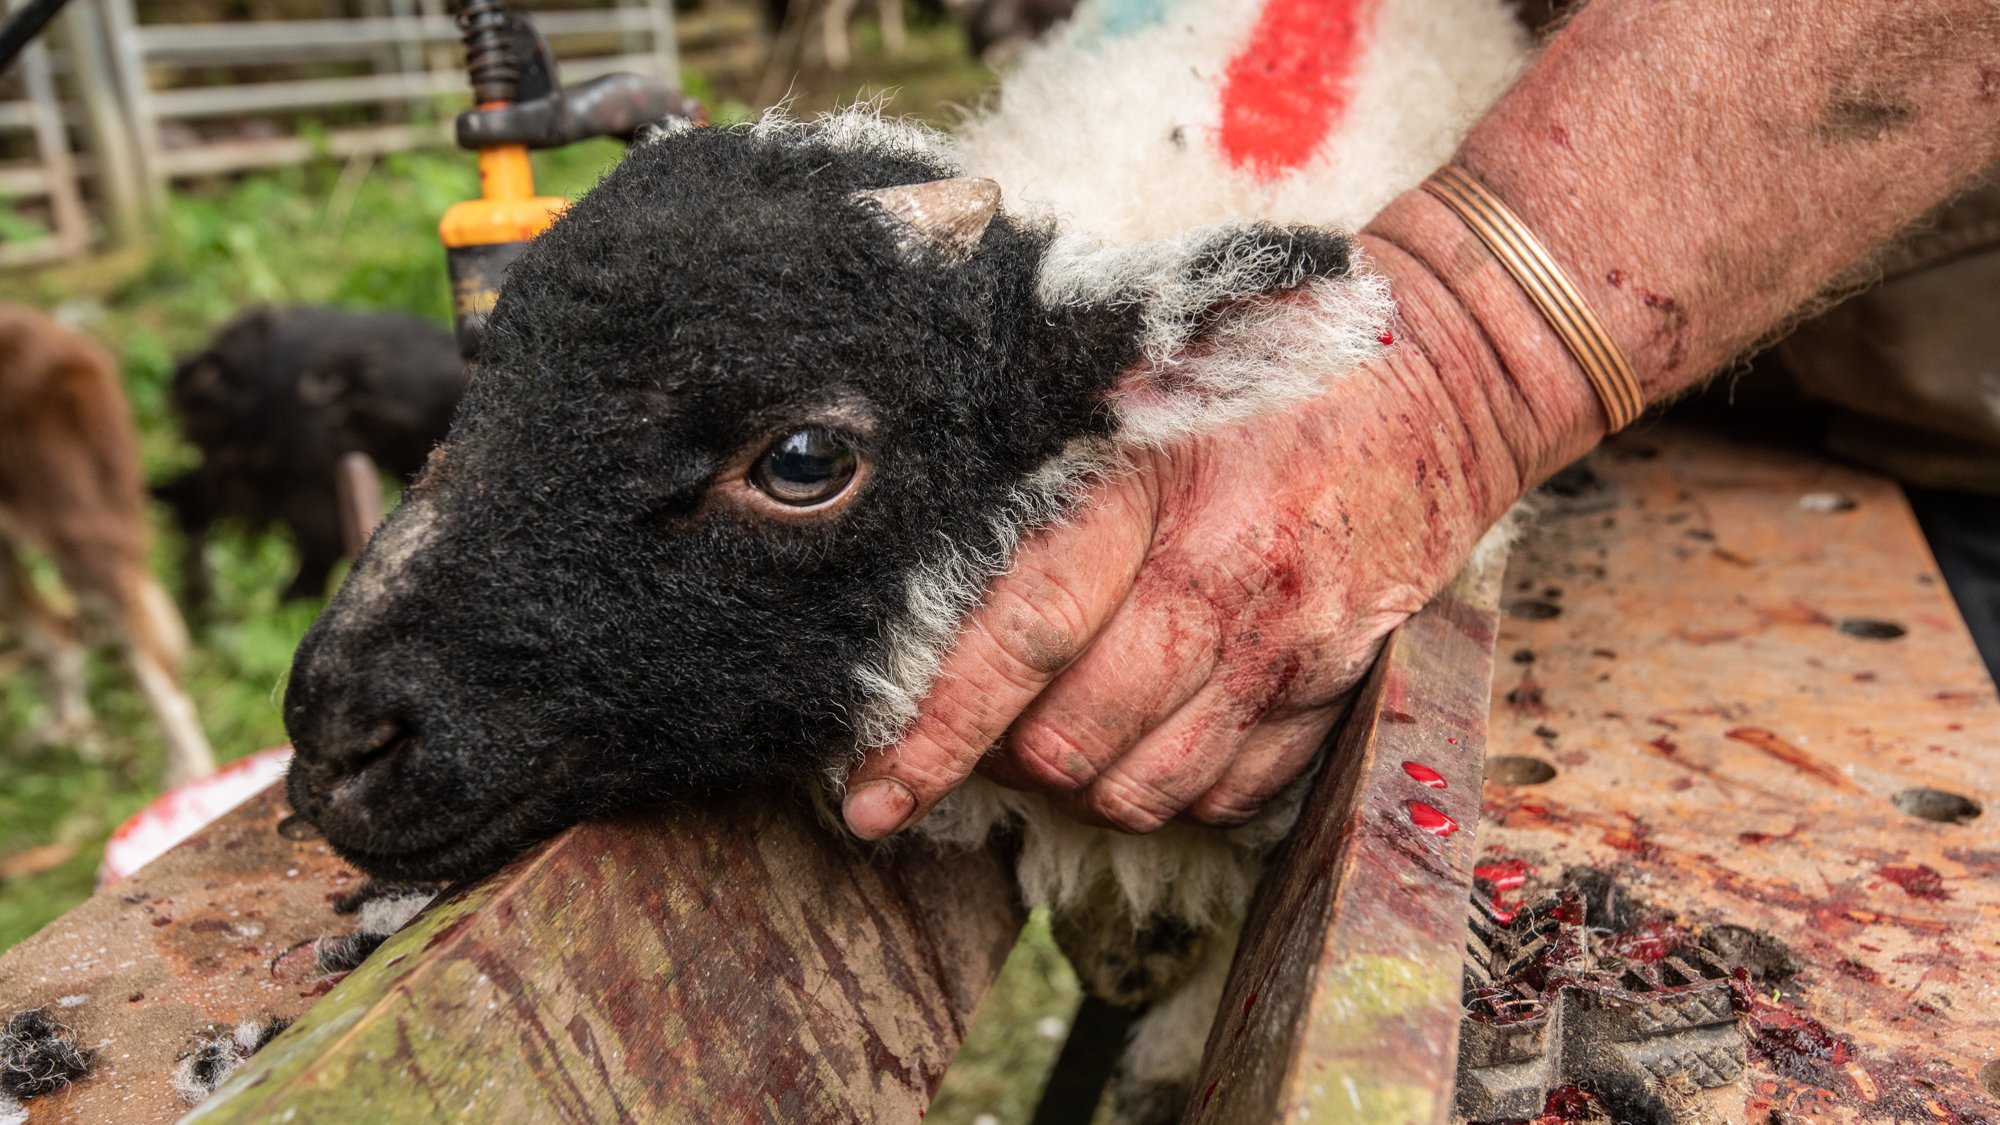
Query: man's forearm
[[1701, 170]]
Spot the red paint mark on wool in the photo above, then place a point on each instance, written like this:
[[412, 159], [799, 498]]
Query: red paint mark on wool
[[1290, 84]]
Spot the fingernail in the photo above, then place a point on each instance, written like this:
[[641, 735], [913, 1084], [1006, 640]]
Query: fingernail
[[878, 808]]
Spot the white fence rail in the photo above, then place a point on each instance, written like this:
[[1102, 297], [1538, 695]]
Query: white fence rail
[[48, 177], [94, 126]]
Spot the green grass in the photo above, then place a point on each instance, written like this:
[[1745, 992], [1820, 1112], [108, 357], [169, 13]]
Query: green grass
[[1015, 1036]]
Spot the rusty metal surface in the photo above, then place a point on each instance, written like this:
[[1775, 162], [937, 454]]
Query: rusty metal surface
[[722, 964], [1344, 1001], [185, 943], [1760, 709]]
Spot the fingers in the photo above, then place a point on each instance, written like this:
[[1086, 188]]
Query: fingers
[[1169, 768], [1273, 753], [1065, 584], [1157, 652]]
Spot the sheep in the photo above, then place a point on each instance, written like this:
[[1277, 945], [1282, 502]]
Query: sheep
[[70, 490], [763, 415], [276, 398]]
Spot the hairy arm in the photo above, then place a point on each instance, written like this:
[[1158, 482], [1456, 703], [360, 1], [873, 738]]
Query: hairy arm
[[1701, 168], [1702, 171]]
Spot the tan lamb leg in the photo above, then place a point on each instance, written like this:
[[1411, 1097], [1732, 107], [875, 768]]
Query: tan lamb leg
[[54, 644], [894, 35], [834, 18], [155, 639]]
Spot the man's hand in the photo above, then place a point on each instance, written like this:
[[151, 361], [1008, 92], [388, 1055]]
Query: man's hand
[[1183, 645]]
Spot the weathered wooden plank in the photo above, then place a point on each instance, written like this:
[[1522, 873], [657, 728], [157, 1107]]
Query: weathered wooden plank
[[186, 943], [729, 963], [1344, 1001], [1730, 660]]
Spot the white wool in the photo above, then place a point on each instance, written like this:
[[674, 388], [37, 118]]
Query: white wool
[[224, 1050], [946, 587], [860, 127], [1114, 135], [390, 913], [1201, 876]]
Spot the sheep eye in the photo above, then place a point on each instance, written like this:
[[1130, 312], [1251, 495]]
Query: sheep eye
[[806, 468]]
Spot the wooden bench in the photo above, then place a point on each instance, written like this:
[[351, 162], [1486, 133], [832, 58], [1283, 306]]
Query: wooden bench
[[736, 962]]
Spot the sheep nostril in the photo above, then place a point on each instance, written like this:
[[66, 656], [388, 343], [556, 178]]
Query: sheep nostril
[[382, 741], [337, 755]]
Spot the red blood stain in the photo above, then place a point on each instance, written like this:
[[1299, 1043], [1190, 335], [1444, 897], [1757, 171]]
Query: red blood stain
[[1769, 743], [1208, 1095], [1424, 775], [1290, 84], [135, 998], [1504, 874], [1615, 278], [1918, 881], [1559, 135], [1672, 330], [1453, 741], [1388, 339], [1665, 745], [1755, 839], [1849, 967], [1635, 838], [1430, 819], [1650, 941], [162, 920], [1567, 1104], [1499, 877], [1793, 1043]]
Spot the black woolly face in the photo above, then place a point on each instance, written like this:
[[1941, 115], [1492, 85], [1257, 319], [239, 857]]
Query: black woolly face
[[584, 604]]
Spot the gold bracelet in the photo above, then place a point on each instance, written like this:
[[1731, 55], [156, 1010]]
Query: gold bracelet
[[1536, 271]]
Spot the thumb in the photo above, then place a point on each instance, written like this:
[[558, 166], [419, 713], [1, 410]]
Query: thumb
[[1065, 583]]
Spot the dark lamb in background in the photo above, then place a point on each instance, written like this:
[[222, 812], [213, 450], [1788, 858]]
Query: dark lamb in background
[[274, 401]]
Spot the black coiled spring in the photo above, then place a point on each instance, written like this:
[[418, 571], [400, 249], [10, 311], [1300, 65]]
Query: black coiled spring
[[489, 56]]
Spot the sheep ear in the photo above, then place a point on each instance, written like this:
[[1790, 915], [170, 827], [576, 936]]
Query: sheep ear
[[1221, 323], [945, 217]]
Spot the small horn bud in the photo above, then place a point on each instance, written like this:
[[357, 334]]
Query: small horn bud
[[943, 216]]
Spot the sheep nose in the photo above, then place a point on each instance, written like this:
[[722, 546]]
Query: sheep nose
[[342, 746]]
